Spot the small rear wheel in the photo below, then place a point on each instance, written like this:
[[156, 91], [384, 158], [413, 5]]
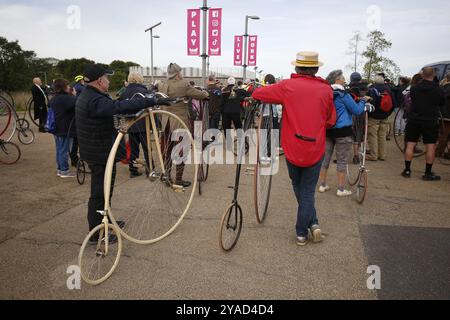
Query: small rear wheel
[[9, 153], [81, 172], [98, 259], [361, 187], [230, 227], [26, 135]]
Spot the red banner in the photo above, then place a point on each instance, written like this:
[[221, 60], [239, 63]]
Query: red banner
[[193, 34], [252, 50], [238, 50], [215, 32]]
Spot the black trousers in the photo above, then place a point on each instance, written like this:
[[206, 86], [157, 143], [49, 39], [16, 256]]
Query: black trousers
[[227, 118], [42, 117], [97, 200], [136, 139], [214, 121]]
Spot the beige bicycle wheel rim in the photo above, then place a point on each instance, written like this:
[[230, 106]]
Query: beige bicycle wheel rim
[[190, 191], [85, 276]]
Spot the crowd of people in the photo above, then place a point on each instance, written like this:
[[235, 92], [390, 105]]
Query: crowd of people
[[319, 116]]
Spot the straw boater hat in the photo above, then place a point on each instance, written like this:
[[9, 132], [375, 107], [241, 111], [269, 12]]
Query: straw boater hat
[[307, 59]]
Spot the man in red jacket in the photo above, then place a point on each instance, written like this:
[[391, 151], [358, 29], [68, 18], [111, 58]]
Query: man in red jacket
[[308, 110]]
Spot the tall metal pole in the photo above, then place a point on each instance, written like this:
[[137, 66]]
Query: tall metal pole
[[151, 47], [204, 55], [151, 54], [244, 76], [356, 52]]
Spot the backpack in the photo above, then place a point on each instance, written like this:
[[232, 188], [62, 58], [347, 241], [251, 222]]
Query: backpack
[[50, 124], [386, 103], [385, 99]]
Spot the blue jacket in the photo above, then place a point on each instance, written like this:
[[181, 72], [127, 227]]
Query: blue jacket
[[346, 107], [79, 88]]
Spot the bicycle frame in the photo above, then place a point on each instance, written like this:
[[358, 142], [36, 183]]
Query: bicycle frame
[[248, 121], [364, 149]]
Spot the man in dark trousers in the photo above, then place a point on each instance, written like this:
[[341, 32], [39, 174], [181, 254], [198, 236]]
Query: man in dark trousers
[[423, 121], [40, 100], [95, 130]]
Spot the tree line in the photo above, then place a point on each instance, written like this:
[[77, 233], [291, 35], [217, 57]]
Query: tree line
[[18, 67], [371, 60]]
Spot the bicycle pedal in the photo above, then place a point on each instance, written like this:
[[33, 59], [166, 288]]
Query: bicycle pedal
[[100, 253]]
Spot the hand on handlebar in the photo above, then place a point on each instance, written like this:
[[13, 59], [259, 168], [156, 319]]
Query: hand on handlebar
[[164, 101], [369, 108]]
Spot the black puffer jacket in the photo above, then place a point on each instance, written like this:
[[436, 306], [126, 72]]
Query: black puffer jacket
[[131, 90], [427, 100], [94, 120], [63, 104]]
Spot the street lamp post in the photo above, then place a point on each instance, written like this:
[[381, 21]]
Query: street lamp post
[[151, 47], [246, 43], [204, 54]]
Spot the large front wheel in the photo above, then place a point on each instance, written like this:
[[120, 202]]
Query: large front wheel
[[265, 164], [155, 201], [400, 125]]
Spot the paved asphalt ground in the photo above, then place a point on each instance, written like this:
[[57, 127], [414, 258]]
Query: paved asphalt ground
[[403, 227]]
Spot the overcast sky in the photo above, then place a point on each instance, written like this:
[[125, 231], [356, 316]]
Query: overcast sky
[[109, 30]]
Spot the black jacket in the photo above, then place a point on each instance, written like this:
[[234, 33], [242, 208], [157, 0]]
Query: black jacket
[[399, 95], [129, 92], [63, 104], [40, 102], [446, 107], [94, 120], [215, 98], [427, 99], [231, 100], [379, 114]]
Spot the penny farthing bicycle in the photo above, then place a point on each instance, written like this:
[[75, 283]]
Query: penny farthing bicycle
[[357, 176], [259, 116], [153, 205]]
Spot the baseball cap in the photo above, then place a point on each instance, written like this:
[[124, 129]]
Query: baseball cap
[[231, 81], [95, 71]]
